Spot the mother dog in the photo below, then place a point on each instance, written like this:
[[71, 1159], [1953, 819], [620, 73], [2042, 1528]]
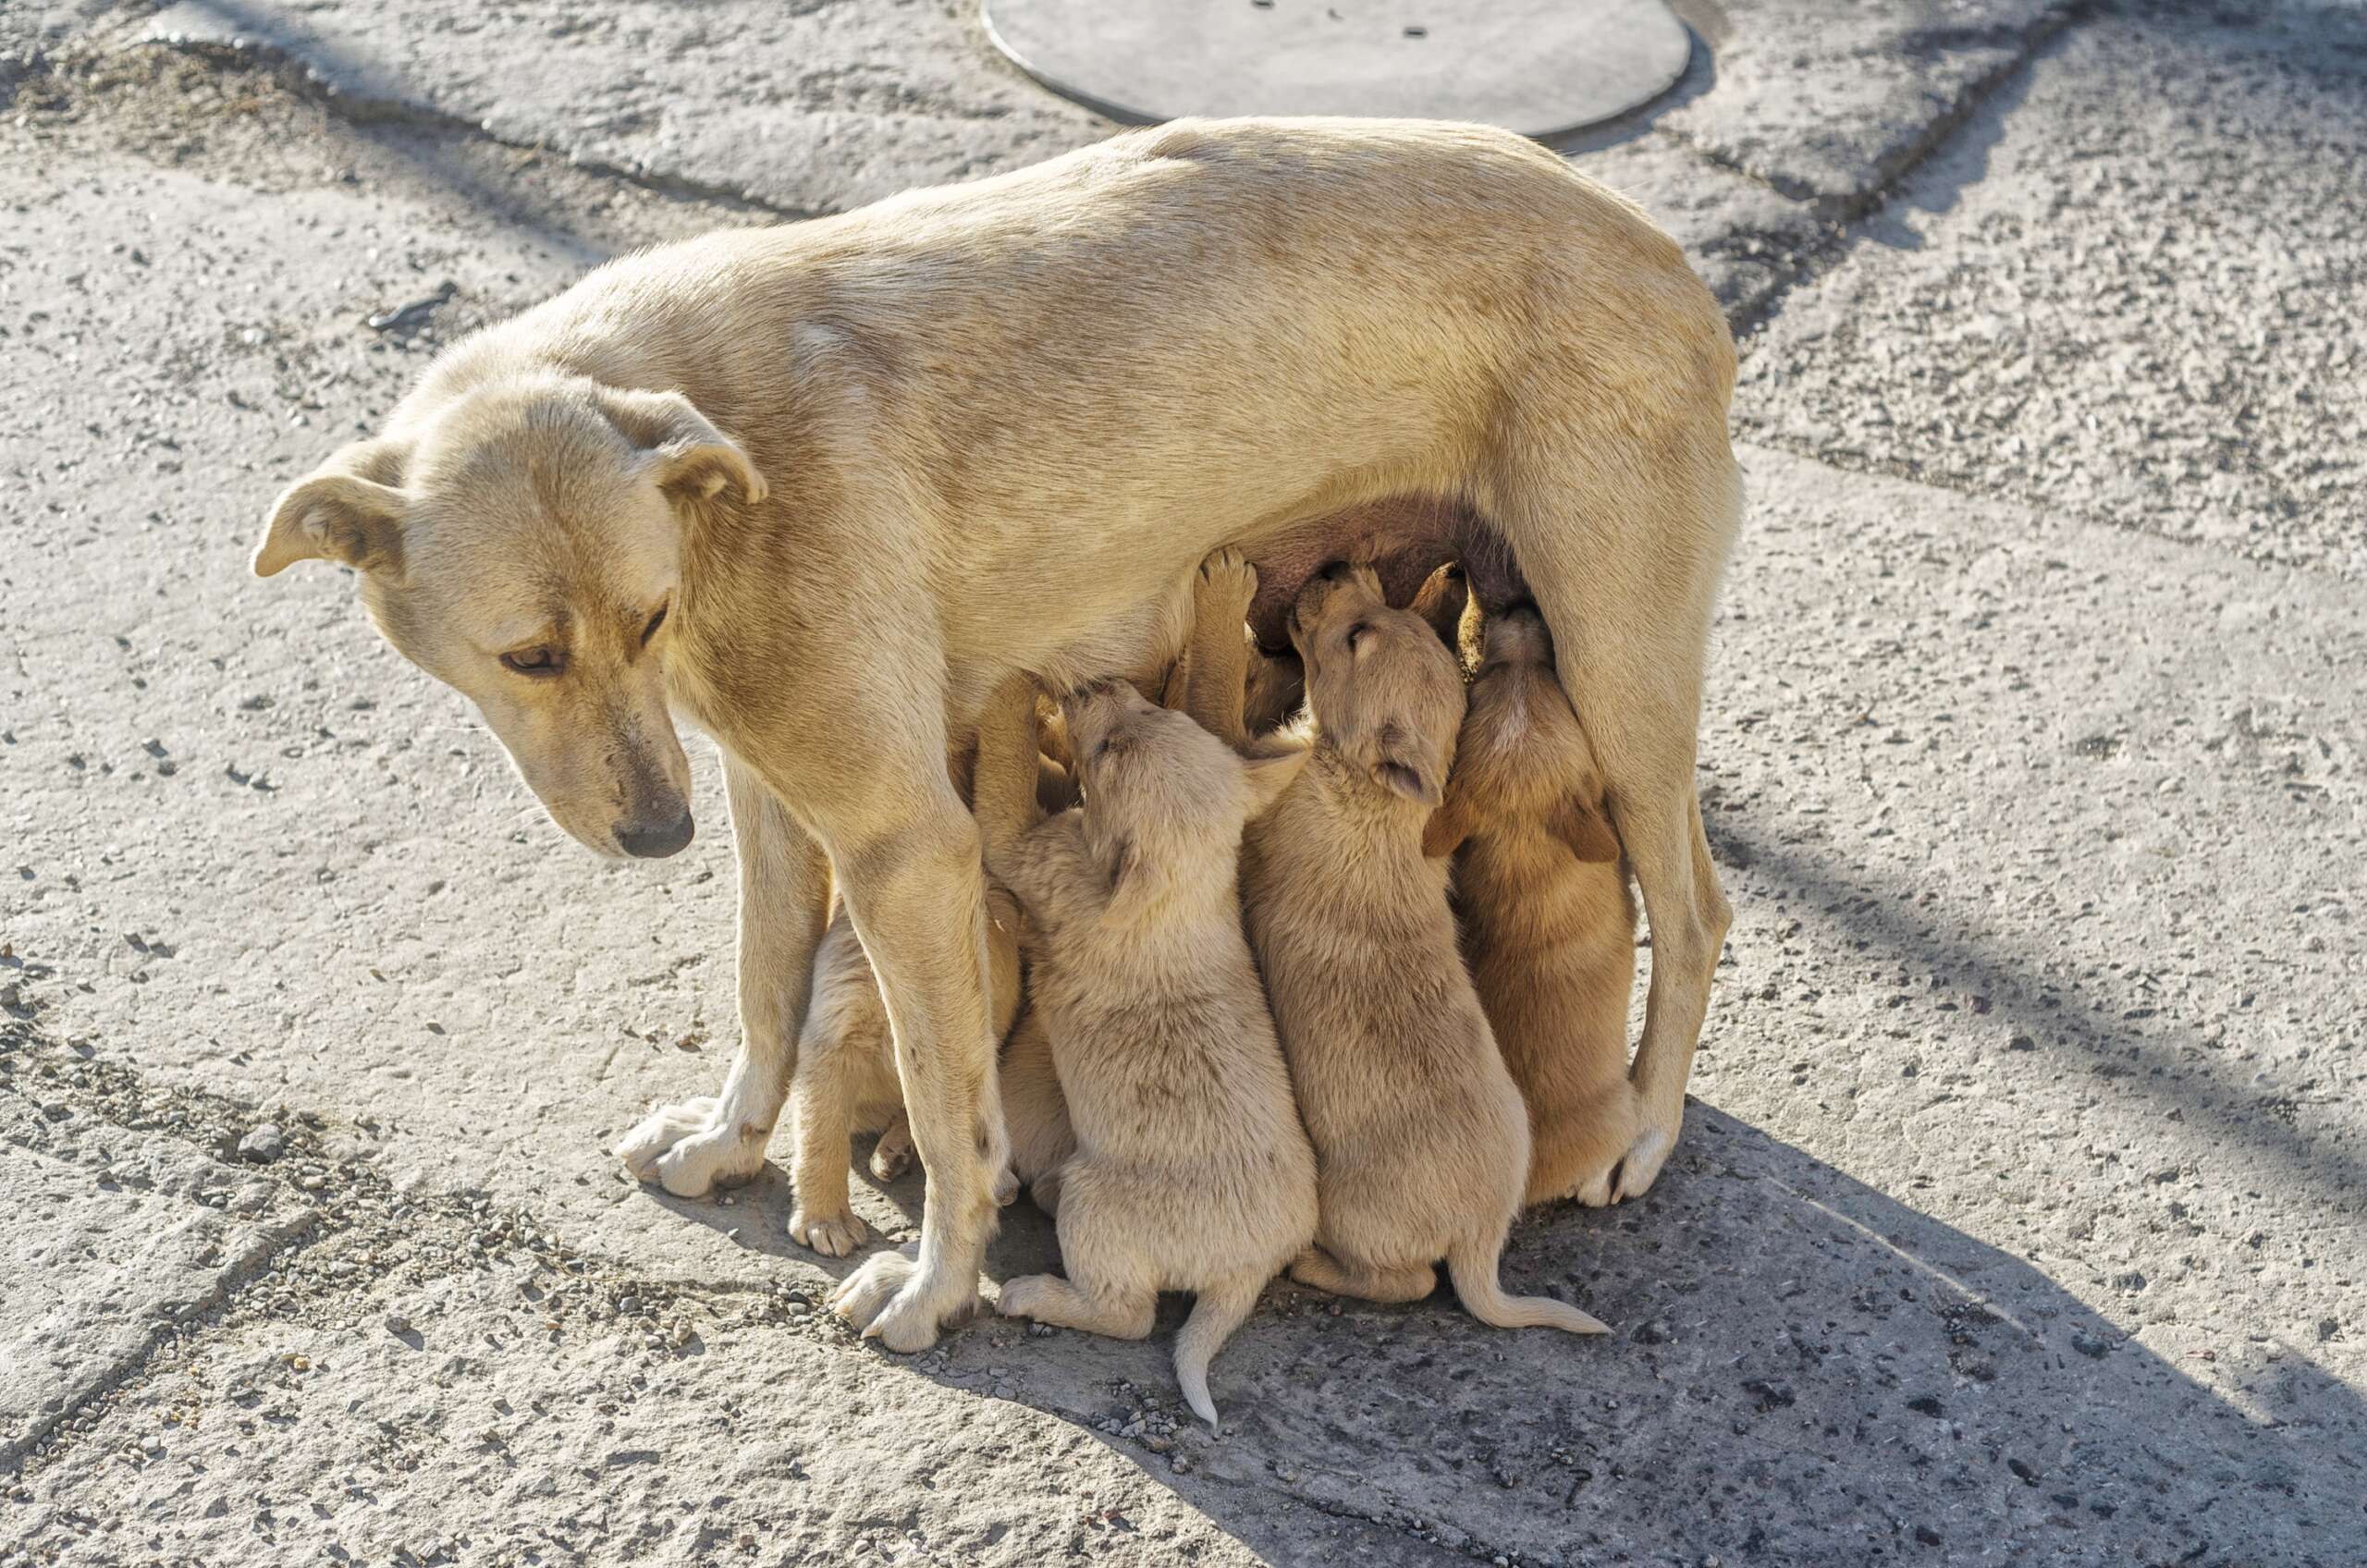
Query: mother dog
[[820, 487]]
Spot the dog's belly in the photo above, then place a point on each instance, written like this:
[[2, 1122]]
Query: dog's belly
[[1403, 538]]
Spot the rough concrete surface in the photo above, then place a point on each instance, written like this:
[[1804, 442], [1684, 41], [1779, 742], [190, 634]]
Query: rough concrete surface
[[2132, 286], [2018, 1219]]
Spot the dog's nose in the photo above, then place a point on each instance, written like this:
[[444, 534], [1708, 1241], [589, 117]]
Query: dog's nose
[[657, 842]]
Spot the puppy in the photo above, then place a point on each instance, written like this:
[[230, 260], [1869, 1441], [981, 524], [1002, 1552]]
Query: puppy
[[846, 1079], [1041, 1136], [1420, 1138], [1549, 928], [1191, 1170]]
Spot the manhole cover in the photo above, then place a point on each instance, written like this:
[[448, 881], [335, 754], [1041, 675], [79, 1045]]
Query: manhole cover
[[1537, 67]]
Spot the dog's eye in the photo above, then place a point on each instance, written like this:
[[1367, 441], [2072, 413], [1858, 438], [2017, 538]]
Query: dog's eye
[[654, 622], [535, 661]]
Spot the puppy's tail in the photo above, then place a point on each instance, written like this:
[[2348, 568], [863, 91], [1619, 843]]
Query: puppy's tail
[[1221, 1309], [1472, 1265]]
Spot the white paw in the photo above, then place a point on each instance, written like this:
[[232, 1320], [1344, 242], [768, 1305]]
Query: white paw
[[1640, 1166], [691, 1149], [1228, 582], [832, 1235], [893, 1154], [1020, 1297], [891, 1301]]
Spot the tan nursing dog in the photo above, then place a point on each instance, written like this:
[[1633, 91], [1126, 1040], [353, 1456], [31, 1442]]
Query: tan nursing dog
[[846, 1075], [818, 488], [1421, 1143], [1191, 1170], [1549, 930]]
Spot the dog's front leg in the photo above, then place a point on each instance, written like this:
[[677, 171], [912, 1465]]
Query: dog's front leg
[[784, 902], [918, 896]]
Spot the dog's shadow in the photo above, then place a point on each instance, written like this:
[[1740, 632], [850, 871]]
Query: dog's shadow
[[1801, 1370]]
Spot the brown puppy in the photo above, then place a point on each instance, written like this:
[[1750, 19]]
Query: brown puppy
[[1420, 1137], [1549, 929], [1190, 1172], [846, 1079]]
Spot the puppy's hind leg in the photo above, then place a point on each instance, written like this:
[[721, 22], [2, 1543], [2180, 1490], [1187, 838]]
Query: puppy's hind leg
[[1048, 1298], [719, 1140], [1319, 1268], [893, 1155]]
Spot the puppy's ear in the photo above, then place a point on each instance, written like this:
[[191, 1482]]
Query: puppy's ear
[[1441, 601], [1130, 884], [347, 510], [1581, 825], [1269, 777], [1399, 763], [1449, 825], [693, 459]]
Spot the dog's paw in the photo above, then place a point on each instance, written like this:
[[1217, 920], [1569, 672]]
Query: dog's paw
[[1640, 1166], [691, 1149], [1227, 584], [1020, 1297], [893, 1154], [891, 1301], [832, 1235]]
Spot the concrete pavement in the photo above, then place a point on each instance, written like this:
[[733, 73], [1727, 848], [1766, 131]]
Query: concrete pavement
[[2019, 1218]]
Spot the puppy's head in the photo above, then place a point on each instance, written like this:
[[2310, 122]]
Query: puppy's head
[[1384, 692], [1523, 755], [1164, 799], [522, 547]]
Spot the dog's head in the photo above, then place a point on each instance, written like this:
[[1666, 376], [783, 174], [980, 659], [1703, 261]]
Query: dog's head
[[1521, 756], [1384, 692], [1163, 799], [522, 547]]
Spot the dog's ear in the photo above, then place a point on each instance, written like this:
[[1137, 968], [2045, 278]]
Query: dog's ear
[[347, 510], [1441, 601], [1581, 825], [1398, 761], [693, 459], [1269, 777], [1449, 825]]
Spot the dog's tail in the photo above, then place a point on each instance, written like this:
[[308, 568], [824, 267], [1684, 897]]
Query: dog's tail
[[1472, 1265], [1221, 1309]]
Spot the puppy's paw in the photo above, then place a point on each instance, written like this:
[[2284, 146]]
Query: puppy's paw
[[1227, 584], [832, 1235], [1020, 1297], [691, 1149], [891, 1301], [893, 1154]]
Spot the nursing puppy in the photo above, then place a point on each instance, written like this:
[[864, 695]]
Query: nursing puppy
[[1191, 1170], [1549, 929], [1421, 1141], [846, 1080]]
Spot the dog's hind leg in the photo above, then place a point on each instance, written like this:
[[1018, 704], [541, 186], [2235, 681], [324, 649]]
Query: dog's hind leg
[[1622, 536], [784, 900]]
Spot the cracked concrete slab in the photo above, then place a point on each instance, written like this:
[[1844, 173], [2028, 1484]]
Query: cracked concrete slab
[[1830, 103], [113, 1238], [2131, 289]]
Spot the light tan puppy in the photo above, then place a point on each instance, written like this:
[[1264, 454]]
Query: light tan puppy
[[820, 488], [1191, 1170], [1420, 1140], [846, 1079], [1041, 1136], [1549, 930]]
